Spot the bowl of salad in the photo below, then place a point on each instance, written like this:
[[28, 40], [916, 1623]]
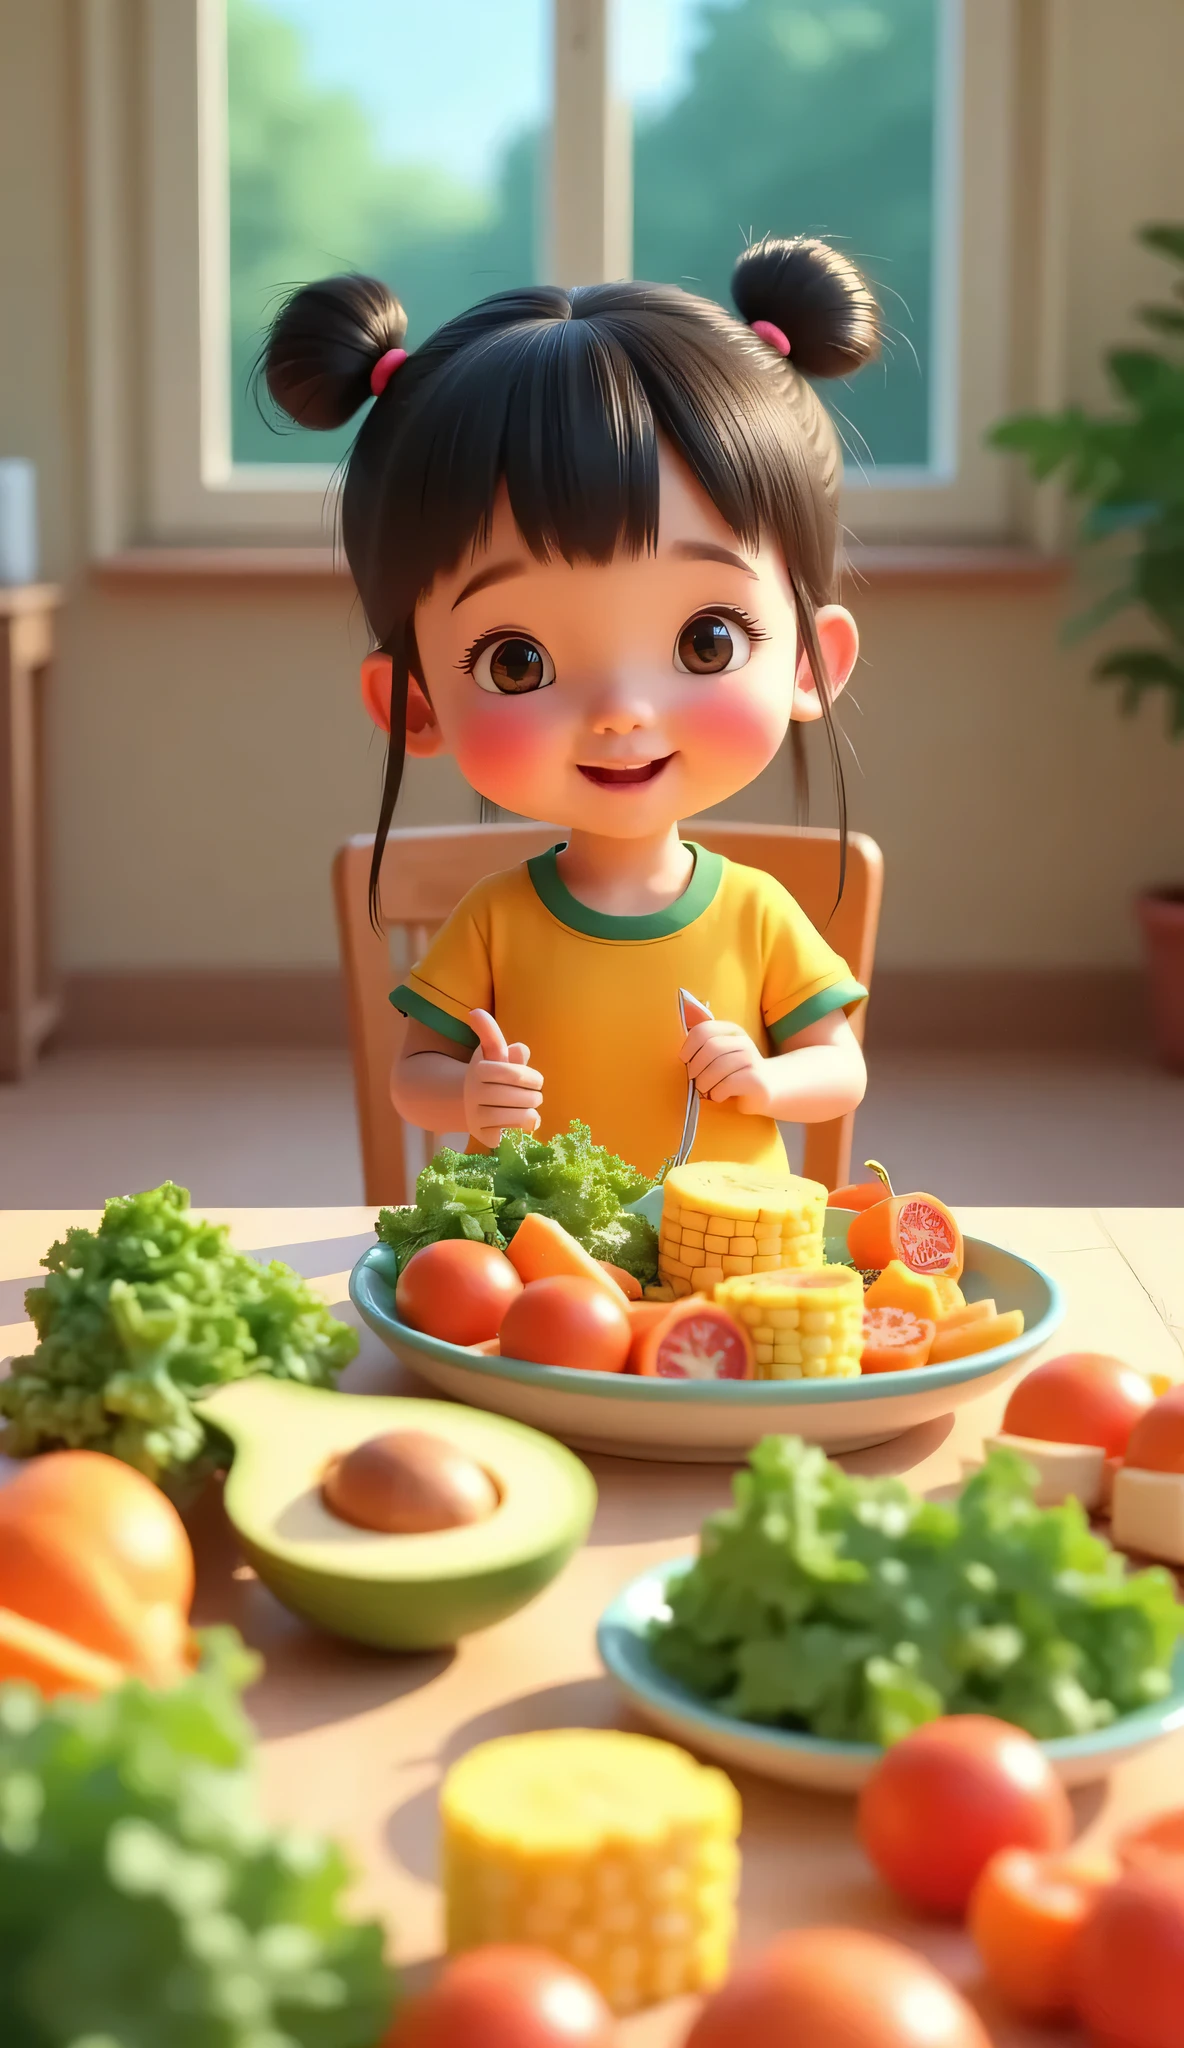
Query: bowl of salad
[[826, 1616], [610, 1214]]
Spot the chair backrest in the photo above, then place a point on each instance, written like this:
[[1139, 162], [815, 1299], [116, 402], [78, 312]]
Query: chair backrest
[[426, 872]]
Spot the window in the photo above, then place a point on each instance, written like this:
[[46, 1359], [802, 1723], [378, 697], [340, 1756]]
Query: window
[[461, 147]]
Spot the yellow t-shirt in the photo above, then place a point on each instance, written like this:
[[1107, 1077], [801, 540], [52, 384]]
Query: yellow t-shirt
[[596, 997]]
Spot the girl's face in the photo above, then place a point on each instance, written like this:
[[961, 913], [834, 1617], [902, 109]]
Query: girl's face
[[617, 698]]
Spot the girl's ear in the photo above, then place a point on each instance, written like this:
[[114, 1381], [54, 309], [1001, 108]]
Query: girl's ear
[[838, 637], [423, 734]]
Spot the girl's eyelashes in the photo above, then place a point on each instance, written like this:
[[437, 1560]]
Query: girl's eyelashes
[[508, 664], [717, 641]]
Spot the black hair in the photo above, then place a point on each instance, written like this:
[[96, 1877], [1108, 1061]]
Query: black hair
[[563, 396]]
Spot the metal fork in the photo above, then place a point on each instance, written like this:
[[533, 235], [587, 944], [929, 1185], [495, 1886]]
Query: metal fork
[[691, 1011]]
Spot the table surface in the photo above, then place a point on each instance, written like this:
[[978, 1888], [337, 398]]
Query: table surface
[[355, 1743]]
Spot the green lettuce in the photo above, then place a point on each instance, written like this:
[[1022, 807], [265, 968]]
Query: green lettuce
[[485, 1195], [853, 1608], [140, 1317], [143, 1900]]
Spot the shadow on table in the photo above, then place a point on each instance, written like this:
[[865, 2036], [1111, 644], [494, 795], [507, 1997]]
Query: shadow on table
[[311, 1679], [411, 1830]]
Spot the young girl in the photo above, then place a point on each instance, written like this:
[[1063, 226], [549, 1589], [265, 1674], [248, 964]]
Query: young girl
[[595, 535]]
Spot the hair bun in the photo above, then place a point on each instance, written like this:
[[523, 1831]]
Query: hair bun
[[324, 342], [821, 302]]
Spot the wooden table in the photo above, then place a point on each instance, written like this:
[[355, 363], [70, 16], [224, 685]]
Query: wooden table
[[354, 1743]]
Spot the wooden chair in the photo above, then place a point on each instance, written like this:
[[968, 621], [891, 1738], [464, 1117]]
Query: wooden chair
[[425, 874]]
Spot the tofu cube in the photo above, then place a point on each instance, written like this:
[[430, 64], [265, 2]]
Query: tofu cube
[[1147, 1514], [1067, 1471]]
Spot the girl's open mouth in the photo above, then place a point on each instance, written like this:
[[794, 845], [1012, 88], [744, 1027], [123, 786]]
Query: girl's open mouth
[[622, 778]]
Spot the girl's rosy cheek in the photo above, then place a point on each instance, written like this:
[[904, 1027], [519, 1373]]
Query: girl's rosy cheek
[[738, 725], [503, 746]]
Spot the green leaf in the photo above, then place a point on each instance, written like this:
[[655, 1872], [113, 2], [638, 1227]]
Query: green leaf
[[849, 1606], [1165, 319], [144, 1900], [1144, 377], [138, 1318], [1166, 238]]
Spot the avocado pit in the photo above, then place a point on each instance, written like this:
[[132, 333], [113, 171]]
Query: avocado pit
[[408, 1483]]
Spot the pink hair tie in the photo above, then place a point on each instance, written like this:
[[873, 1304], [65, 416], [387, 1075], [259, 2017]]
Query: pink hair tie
[[384, 369], [773, 335]]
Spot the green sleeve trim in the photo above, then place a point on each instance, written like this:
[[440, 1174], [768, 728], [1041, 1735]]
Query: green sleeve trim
[[417, 1006], [841, 995]]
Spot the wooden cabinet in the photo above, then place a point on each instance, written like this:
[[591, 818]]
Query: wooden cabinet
[[29, 1003]]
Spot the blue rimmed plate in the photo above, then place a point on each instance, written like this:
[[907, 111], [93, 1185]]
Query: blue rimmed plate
[[810, 1760], [720, 1420]]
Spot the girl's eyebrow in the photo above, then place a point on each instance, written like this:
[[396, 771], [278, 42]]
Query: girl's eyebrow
[[497, 572], [708, 551]]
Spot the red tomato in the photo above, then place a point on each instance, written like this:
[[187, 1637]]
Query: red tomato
[[567, 1321], [1156, 1443], [506, 1998], [1082, 1398], [457, 1290], [835, 1987], [949, 1796], [1025, 1918], [1129, 1960], [693, 1340]]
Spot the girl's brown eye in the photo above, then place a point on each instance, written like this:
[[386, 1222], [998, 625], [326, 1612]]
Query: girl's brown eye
[[710, 645], [513, 667]]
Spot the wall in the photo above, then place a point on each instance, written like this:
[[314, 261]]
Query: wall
[[210, 752]]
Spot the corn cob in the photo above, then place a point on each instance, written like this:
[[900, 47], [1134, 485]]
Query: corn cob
[[614, 1851], [718, 1221], [804, 1326]]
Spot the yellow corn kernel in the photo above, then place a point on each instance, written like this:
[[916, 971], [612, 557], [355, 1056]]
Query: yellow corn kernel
[[713, 1242], [615, 1851], [816, 1320], [706, 1277]]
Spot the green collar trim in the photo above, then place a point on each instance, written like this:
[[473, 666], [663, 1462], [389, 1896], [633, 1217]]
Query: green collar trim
[[553, 893]]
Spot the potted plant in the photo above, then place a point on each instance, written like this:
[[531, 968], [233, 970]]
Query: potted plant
[[1128, 469]]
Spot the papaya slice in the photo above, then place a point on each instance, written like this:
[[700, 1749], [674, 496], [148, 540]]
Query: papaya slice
[[970, 1312], [628, 1283], [982, 1335], [894, 1339], [916, 1229], [542, 1249], [859, 1194], [899, 1287], [44, 1657]]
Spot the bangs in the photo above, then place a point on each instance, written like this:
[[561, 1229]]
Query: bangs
[[565, 406]]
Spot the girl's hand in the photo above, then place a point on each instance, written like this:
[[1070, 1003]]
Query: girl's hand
[[501, 1091], [727, 1067]]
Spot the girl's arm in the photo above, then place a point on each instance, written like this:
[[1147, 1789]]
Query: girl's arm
[[817, 1075], [435, 1084]]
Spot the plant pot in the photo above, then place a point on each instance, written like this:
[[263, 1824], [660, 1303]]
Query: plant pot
[[1161, 915]]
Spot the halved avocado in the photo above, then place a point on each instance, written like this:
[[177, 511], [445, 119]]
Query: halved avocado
[[396, 1592]]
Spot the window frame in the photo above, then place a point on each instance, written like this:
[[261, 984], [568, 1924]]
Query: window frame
[[189, 492]]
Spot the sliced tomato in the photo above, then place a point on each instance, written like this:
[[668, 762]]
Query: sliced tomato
[[895, 1339], [693, 1340]]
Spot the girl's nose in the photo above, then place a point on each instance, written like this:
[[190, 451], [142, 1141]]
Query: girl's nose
[[621, 713]]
